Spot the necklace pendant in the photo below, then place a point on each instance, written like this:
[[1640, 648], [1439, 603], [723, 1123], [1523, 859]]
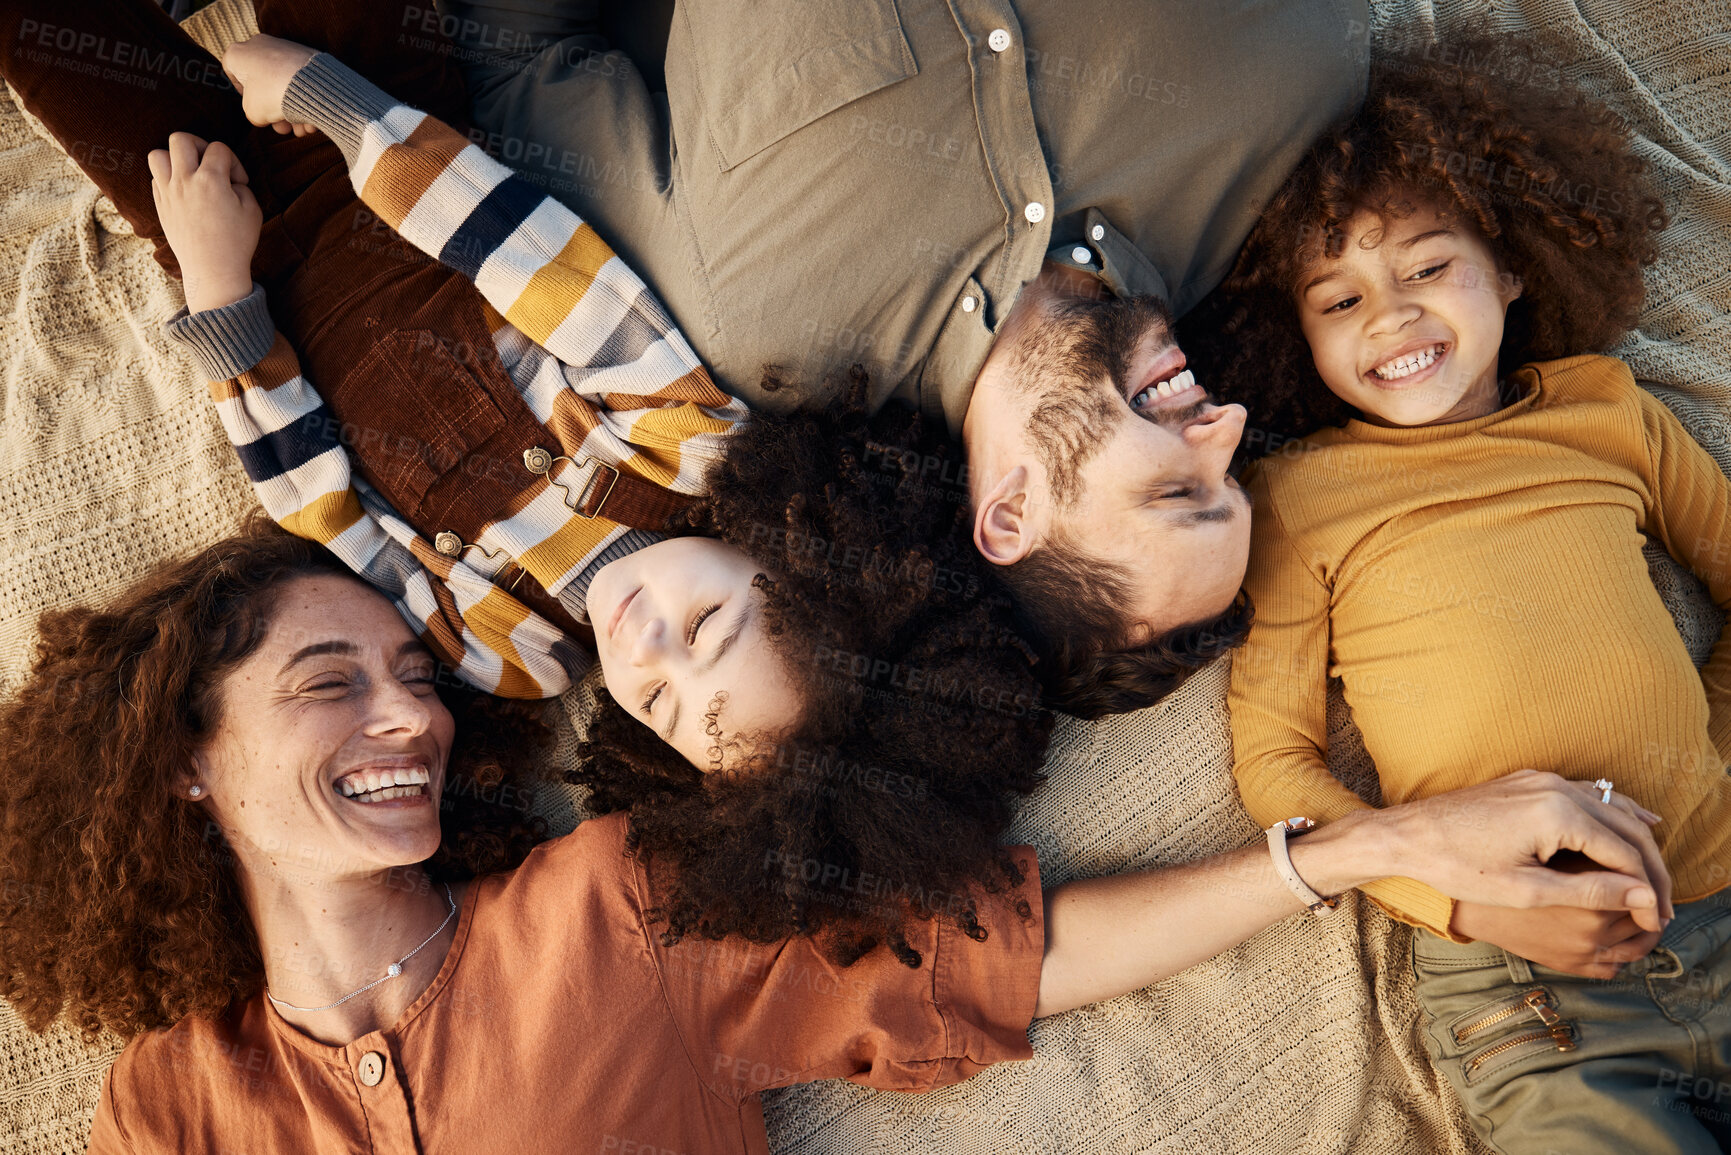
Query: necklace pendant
[[391, 971]]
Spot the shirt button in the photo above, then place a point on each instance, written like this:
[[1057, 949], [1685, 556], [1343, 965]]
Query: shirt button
[[1080, 255], [1098, 232], [998, 40], [1035, 212], [371, 1068], [448, 543], [969, 304]]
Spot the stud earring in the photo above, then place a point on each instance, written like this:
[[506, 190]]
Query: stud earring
[[196, 791]]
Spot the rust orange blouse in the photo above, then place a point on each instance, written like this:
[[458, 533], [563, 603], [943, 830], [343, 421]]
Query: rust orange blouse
[[557, 1022]]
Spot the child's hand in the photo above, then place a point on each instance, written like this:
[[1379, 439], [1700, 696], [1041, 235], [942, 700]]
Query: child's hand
[[209, 216], [261, 69], [1594, 943]]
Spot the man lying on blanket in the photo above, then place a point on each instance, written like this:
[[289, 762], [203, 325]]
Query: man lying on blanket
[[997, 208]]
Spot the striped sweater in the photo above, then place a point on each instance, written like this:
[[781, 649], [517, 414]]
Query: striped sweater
[[590, 349]]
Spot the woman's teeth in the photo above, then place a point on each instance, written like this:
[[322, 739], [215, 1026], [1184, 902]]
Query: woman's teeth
[[1408, 363], [386, 793], [1168, 388], [383, 785]]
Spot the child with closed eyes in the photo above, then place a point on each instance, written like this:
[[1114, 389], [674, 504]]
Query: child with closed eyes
[[1458, 537]]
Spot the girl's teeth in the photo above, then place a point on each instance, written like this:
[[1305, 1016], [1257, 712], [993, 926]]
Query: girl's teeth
[[1408, 364]]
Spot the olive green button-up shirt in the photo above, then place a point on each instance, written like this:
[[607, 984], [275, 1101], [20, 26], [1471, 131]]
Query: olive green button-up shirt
[[840, 181]]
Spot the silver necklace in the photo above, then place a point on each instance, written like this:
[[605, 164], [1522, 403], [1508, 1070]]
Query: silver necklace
[[391, 971]]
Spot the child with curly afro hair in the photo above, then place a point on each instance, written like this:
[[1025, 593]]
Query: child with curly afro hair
[[921, 723], [1454, 529]]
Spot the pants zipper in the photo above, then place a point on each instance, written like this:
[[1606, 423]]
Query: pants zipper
[[1537, 1001], [1562, 1034]]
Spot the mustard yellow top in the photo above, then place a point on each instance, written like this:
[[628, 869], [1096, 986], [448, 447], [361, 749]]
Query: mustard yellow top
[[1479, 588]]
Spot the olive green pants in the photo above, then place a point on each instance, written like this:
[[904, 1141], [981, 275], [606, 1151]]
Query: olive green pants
[[1549, 1063]]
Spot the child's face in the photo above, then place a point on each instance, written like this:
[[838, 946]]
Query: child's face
[[1406, 330], [678, 625]]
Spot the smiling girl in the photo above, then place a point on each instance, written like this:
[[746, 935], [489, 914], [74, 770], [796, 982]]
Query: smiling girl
[[1459, 540]]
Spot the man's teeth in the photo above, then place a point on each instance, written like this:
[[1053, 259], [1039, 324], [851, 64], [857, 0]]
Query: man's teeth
[[1408, 364], [1168, 388], [381, 785]]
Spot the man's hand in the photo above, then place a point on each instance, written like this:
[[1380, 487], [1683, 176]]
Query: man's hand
[[209, 216], [1593, 943], [260, 70], [1490, 844]]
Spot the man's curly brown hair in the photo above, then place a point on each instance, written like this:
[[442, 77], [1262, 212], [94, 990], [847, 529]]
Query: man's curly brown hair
[[1493, 138], [119, 906], [921, 718]]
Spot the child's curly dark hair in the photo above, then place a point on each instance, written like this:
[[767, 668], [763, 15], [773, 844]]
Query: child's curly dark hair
[[922, 719], [1491, 137]]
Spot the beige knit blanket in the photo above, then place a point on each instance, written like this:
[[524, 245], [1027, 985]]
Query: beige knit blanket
[[1302, 1039]]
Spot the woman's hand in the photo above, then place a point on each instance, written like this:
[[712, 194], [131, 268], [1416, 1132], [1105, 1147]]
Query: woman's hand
[[209, 216], [1490, 844], [261, 69], [1594, 943]]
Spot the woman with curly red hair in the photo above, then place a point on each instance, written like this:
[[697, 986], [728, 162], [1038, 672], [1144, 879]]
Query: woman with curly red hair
[[1458, 537]]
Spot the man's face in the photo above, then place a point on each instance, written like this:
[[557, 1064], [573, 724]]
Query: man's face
[[1125, 455]]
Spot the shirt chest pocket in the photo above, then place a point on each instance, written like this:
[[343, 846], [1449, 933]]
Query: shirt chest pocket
[[767, 68]]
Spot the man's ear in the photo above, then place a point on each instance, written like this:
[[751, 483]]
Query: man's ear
[[1003, 532]]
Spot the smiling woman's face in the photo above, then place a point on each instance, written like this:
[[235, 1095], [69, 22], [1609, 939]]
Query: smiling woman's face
[[679, 628], [329, 758]]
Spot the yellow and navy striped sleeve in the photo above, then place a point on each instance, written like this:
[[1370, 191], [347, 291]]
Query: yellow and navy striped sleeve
[[290, 446], [588, 347], [591, 351], [541, 268]]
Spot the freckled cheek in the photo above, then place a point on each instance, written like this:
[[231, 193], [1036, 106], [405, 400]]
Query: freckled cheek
[[277, 790]]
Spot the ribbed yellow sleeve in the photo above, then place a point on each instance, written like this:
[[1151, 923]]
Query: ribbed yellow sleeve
[[1689, 510], [1279, 707]]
